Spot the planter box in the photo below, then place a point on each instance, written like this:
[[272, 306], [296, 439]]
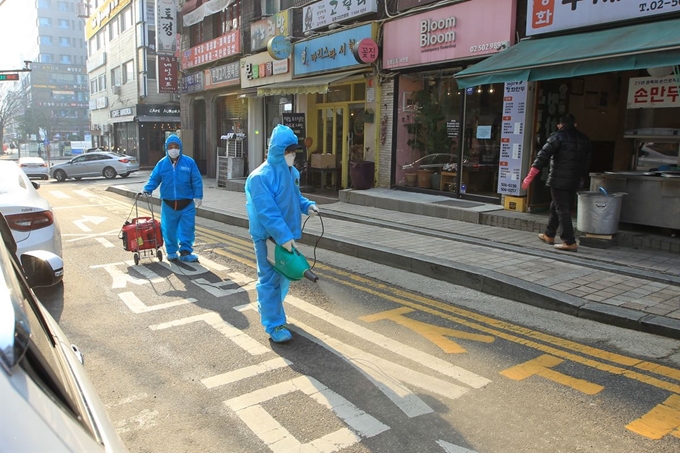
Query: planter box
[[323, 161]]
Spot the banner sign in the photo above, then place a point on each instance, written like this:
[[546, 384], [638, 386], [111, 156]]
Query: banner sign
[[547, 16], [166, 27], [463, 30], [331, 52], [167, 73], [322, 14], [652, 92], [224, 46], [512, 138]]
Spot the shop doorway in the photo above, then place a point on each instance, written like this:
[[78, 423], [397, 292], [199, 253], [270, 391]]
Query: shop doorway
[[338, 129]]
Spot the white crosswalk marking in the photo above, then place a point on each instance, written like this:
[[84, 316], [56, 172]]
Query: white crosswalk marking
[[246, 372], [105, 242], [137, 306], [278, 439], [59, 194], [452, 448]]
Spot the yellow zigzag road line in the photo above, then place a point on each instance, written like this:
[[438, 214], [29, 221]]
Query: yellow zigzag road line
[[402, 296]]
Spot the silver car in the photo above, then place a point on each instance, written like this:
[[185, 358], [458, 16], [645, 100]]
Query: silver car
[[104, 163], [30, 217], [48, 402], [34, 167]]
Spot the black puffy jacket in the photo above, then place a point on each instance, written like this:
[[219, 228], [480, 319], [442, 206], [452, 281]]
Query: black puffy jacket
[[569, 153]]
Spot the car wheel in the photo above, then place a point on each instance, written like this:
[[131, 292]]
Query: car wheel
[[125, 175], [45, 177], [60, 175], [109, 173]]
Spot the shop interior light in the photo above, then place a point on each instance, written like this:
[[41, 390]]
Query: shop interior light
[[491, 89], [479, 89]]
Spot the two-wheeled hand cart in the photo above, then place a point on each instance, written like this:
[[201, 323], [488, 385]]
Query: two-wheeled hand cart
[[142, 235]]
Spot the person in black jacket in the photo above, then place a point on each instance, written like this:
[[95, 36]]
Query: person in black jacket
[[569, 152]]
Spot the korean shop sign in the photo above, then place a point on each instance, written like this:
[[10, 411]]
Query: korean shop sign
[[455, 32], [166, 27], [652, 92], [512, 138], [221, 76], [167, 73], [263, 30], [103, 15], [331, 52], [260, 69], [192, 83], [225, 46], [325, 12], [546, 16]]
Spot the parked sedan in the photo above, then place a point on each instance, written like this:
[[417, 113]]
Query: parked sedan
[[434, 162], [48, 401], [34, 167], [30, 216], [106, 163]]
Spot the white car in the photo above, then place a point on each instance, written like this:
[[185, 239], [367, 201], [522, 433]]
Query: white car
[[48, 401], [97, 163], [30, 217], [34, 167]]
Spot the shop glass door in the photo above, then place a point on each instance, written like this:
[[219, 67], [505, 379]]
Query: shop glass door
[[481, 146], [331, 131]]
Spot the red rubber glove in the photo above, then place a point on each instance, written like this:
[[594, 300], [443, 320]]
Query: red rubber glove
[[530, 177]]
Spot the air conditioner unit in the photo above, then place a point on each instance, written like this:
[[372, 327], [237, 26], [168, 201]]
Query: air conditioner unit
[[235, 147], [115, 89]]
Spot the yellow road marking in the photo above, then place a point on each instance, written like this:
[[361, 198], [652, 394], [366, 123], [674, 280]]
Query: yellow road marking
[[662, 420], [541, 366], [435, 334], [442, 310]]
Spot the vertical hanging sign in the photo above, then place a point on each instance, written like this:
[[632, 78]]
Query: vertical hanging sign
[[167, 74], [166, 27], [512, 138]]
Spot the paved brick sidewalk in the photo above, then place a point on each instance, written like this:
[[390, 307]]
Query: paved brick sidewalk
[[580, 284]]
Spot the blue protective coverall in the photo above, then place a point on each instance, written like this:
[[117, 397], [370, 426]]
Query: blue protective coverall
[[181, 182], [274, 206]]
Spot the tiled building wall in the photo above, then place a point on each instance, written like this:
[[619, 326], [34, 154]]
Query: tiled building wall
[[385, 134]]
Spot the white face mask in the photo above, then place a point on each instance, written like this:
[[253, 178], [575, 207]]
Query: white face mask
[[290, 159], [173, 153]]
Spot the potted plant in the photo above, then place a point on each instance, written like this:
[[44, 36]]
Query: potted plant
[[361, 171], [428, 131]]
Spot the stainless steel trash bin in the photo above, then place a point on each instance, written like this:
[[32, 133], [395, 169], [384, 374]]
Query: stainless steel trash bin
[[597, 213]]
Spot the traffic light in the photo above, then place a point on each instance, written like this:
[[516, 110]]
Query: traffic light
[[9, 77]]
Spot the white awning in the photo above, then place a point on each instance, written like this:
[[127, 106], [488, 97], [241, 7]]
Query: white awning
[[307, 85], [206, 9]]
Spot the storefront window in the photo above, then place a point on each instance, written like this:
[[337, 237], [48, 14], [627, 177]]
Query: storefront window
[[428, 139], [481, 140]]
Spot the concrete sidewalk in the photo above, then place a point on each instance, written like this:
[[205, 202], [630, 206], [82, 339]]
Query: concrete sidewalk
[[636, 289]]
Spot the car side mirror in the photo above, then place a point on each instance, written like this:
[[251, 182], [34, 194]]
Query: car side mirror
[[36, 185], [42, 268]]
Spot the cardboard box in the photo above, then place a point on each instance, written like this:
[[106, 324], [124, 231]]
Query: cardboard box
[[323, 161], [518, 204]]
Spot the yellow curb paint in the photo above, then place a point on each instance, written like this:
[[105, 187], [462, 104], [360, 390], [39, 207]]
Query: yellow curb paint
[[541, 366], [662, 420], [435, 334]]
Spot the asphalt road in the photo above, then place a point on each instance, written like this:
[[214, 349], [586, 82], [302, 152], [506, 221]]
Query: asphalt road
[[382, 360]]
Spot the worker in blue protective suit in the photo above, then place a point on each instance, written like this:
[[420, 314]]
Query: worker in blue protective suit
[[181, 193], [274, 206]]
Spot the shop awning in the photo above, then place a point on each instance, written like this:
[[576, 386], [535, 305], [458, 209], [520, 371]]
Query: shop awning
[[191, 5], [158, 119], [620, 49], [307, 85]]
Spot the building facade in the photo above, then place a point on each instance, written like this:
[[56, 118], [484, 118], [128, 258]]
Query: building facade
[[56, 87], [133, 76]]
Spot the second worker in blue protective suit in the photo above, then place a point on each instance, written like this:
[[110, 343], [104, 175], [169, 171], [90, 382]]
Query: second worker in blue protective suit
[[181, 193], [274, 206]]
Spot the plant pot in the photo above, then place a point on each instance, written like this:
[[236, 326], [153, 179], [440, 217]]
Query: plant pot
[[361, 174], [411, 179], [425, 179]]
